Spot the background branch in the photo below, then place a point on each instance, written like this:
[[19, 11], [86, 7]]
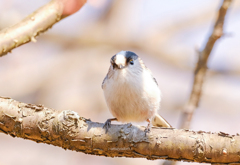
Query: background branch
[[37, 23], [201, 68], [68, 130]]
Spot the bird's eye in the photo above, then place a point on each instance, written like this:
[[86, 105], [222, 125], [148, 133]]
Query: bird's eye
[[114, 65], [131, 62]]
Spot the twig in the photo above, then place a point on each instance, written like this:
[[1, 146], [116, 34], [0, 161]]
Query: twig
[[201, 68], [68, 130], [27, 30]]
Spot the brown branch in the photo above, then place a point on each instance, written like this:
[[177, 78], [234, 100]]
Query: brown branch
[[68, 130], [36, 23], [201, 68]]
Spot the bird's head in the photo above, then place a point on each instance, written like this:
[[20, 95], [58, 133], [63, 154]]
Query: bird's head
[[126, 60]]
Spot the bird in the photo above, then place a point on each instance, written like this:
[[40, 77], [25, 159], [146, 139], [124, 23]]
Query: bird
[[131, 92]]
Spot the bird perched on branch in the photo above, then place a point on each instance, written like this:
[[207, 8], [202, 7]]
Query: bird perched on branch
[[131, 92]]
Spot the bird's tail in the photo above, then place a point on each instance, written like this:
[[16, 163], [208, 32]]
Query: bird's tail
[[159, 121]]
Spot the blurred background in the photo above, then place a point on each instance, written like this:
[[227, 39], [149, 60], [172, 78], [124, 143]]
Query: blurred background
[[64, 69]]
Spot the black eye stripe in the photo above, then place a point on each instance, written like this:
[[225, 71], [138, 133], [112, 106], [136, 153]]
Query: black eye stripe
[[113, 59], [128, 59], [114, 65], [130, 55]]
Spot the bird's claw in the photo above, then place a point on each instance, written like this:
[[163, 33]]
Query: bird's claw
[[107, 125], [147, 130]]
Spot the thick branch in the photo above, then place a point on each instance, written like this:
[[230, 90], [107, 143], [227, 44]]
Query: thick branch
[[68, 130], [36, 23], [201, 68]]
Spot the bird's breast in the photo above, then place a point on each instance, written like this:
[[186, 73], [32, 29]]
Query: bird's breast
[[129, 98]]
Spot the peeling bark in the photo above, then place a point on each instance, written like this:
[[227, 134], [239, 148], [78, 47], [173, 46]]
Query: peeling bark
[[68, 130]]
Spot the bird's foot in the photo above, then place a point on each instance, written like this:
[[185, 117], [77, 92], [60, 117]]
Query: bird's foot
[[148, 128], [107, 124]]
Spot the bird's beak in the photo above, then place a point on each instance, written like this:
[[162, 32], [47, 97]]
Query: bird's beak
[[120, 66]]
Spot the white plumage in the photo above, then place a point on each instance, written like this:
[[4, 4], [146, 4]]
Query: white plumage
[[131, 92]]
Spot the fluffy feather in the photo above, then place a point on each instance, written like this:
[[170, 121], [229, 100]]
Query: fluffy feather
[[131, 92]]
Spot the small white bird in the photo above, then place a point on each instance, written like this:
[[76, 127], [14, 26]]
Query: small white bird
[[131, 92]]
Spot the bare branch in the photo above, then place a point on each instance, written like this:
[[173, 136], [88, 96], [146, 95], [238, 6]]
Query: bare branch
[[35, 24], [201, 68], [68, 130]]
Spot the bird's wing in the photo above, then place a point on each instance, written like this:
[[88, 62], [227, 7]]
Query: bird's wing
[[145, 67], [155, 80], [152, 75], [104, 80], [108, 76]]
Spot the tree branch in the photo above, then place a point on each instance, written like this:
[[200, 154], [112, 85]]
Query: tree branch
[[37, 23], [201, 68], [68, 130]]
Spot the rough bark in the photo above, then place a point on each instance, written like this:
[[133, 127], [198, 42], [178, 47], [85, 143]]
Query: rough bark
[[201, 67], [68, 130]]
